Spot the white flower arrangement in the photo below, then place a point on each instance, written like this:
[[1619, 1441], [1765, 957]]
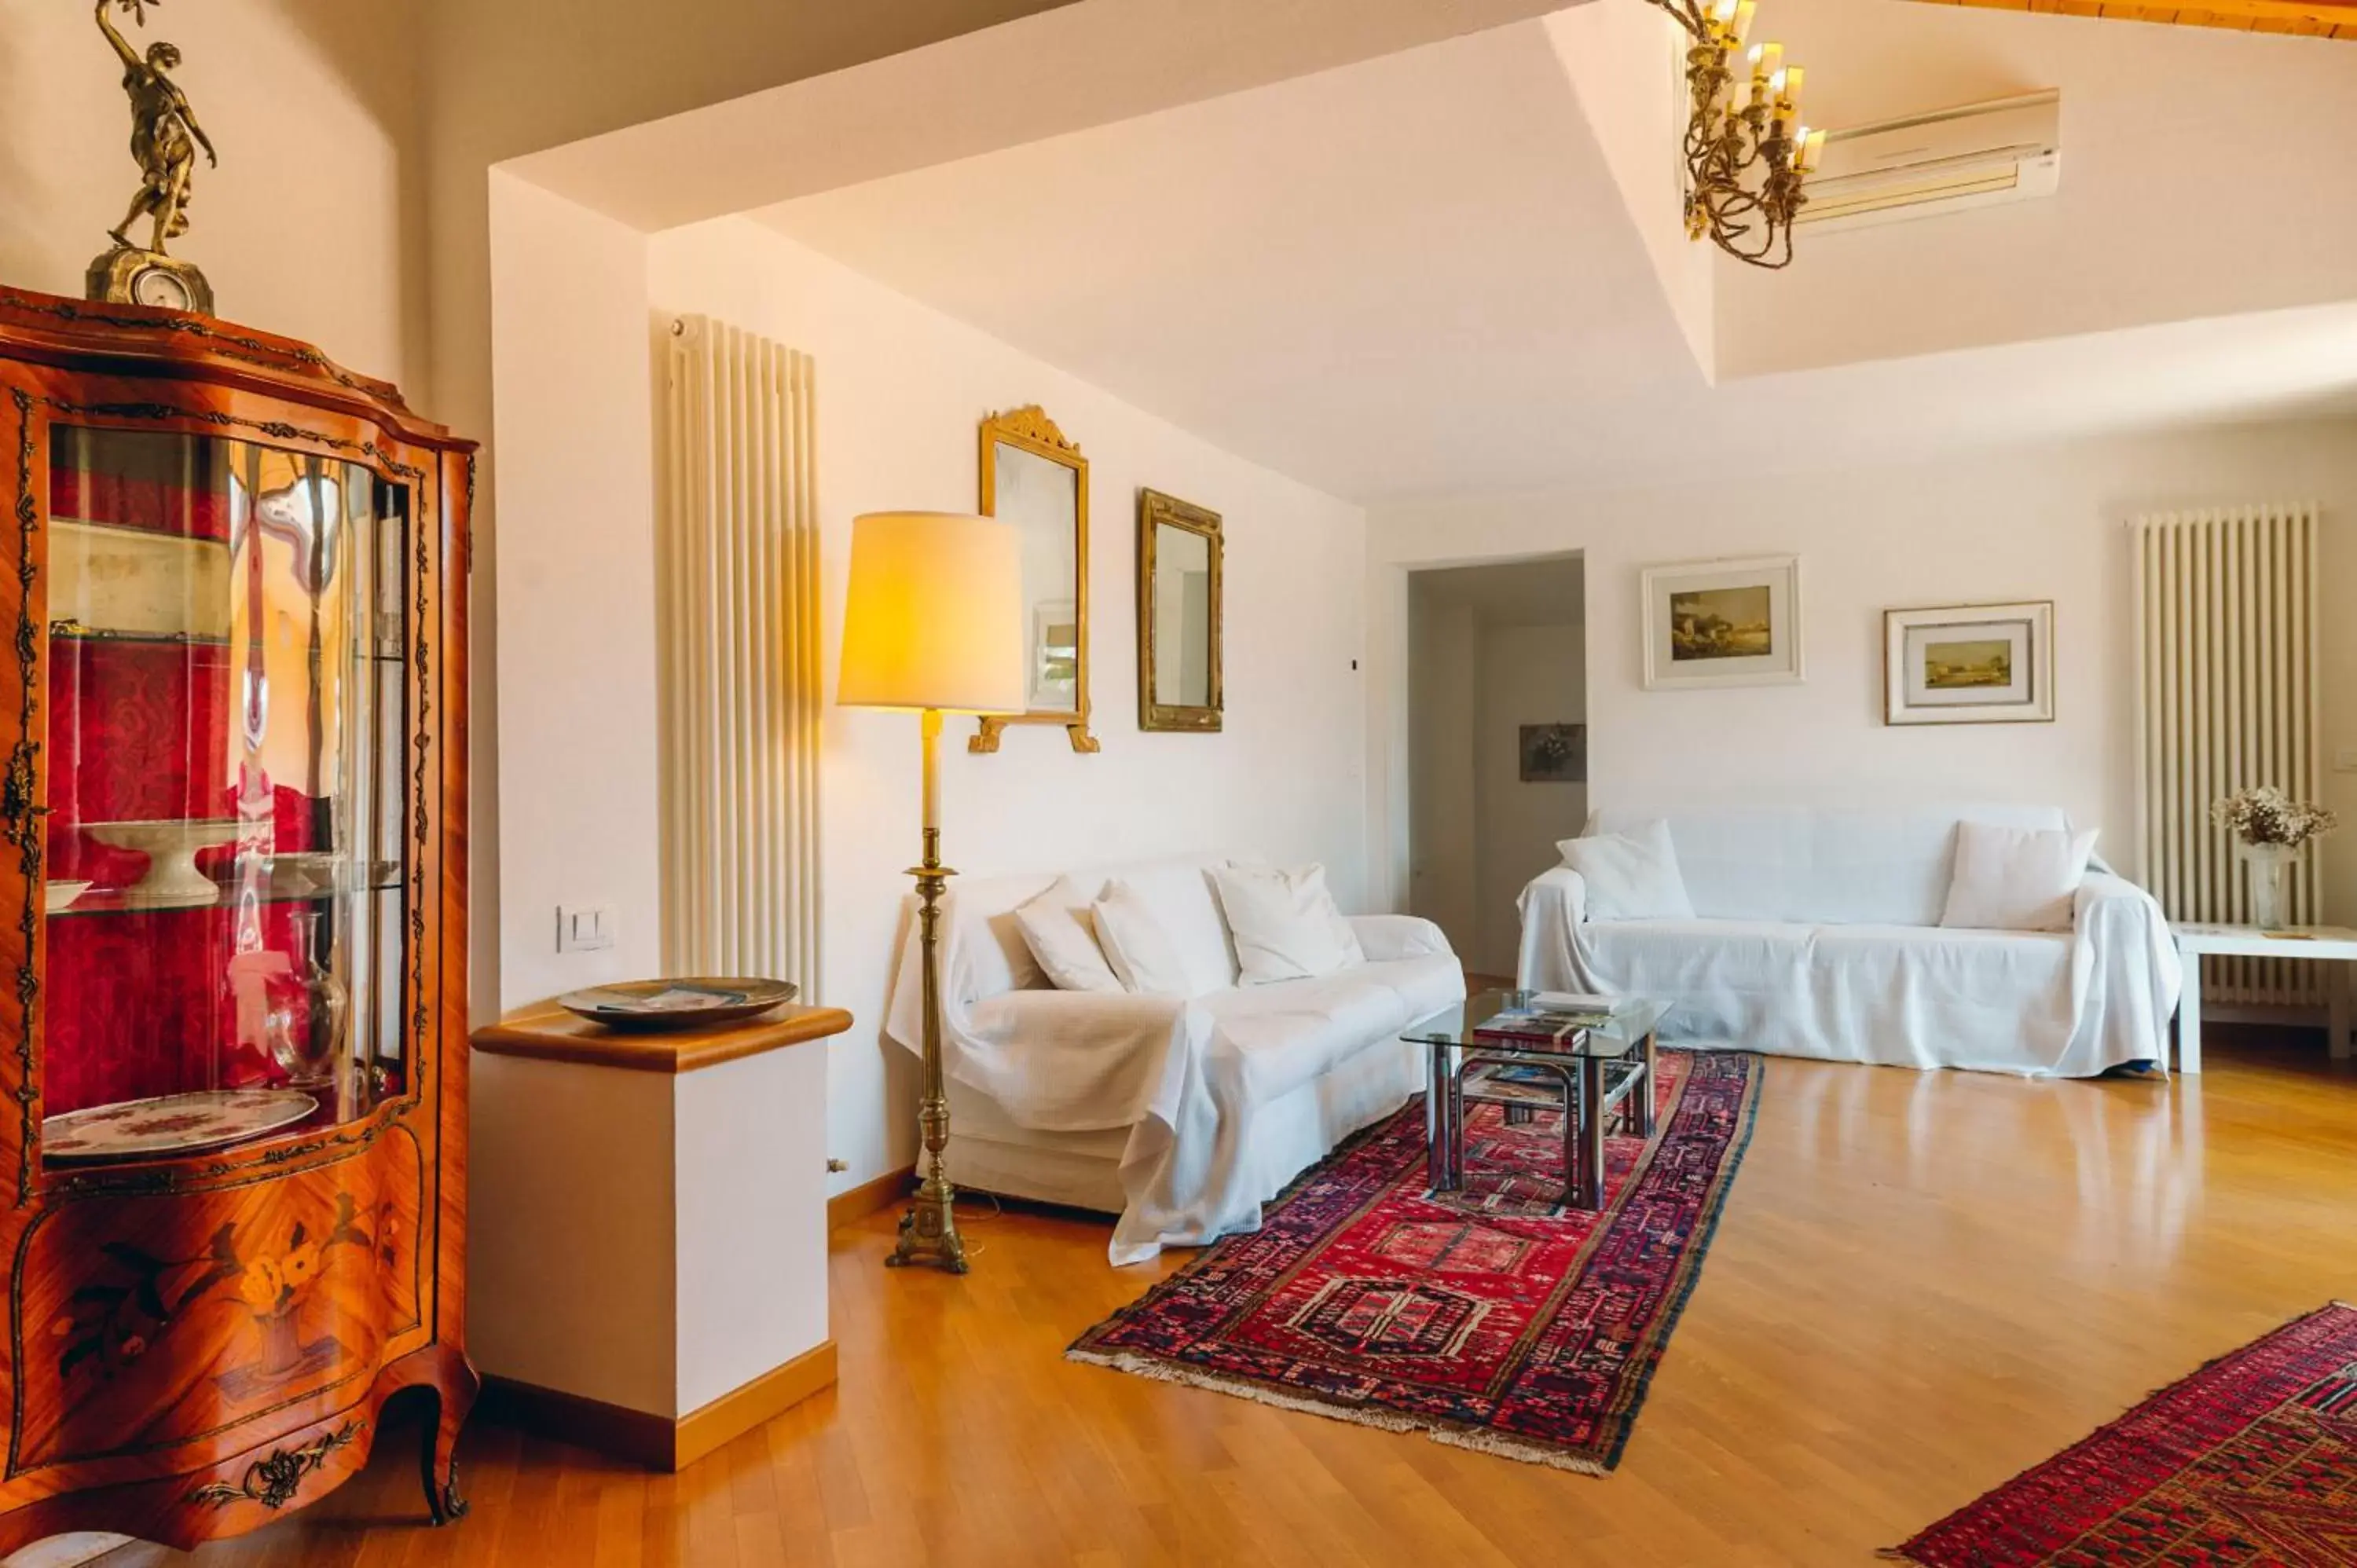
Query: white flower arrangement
[[2267, 816]]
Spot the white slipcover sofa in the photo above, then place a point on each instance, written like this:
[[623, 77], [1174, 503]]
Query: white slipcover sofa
[[1816, 933], [1182, 1116]]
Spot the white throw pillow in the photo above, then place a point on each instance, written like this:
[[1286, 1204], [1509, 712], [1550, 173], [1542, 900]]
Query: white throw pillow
[[1632, 876], [1285, 923], [1141, 951], [2016, 879], [1058, 928]]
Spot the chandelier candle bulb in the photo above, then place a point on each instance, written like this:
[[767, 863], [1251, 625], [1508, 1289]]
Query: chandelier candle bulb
[[1743, 156], [1812, 143]]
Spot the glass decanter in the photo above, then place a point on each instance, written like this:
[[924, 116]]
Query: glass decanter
[[308, 1006]]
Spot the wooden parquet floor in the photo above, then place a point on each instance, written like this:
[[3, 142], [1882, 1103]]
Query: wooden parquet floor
[[1923, 1283]]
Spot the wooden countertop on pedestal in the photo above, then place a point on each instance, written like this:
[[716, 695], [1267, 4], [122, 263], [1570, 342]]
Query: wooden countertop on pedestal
[[552, 1034]]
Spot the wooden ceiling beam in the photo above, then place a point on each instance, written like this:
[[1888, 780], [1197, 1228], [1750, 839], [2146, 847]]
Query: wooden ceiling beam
[[2304, 18]]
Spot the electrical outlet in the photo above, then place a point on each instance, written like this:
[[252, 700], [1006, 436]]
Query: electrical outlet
[[584, 928]]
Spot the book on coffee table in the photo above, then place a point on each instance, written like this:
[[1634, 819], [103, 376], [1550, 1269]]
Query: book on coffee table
[[1551, 1019]]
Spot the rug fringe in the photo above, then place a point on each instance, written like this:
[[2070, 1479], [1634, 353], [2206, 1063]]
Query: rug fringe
[[1357, 1416], [1512, 1448], [1163, 1372]]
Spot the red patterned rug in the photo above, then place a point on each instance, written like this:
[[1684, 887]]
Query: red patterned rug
[[1489, 1319], [2249, 1462]]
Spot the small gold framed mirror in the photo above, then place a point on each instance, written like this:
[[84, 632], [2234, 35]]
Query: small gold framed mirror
[[1036, 481], [1178, 566]]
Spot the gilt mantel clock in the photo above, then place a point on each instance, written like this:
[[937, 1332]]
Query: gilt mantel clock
[[233, 922]]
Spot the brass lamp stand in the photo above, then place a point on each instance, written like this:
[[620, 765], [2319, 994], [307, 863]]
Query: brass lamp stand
[[933, 621], [929, 1233]]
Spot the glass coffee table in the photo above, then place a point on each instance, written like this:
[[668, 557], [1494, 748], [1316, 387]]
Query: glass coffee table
[[1589, 1074]]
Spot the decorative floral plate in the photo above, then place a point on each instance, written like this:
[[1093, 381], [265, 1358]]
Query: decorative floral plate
[[173, 1124], [693, 1004]]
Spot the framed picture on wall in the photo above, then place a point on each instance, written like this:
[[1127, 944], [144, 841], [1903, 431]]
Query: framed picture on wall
[[1554, 754], [1969, 664], [1723, 623]]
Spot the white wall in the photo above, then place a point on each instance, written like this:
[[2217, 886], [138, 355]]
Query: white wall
[[1529, 675], [900, 391], [575, 597], [2033, 523], [1442, 660]]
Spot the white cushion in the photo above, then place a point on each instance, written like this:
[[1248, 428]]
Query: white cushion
[[1058, 928], [2016, 879], [1285, 923], [1632, 876], [1138, 945], [1179, 893], [1822, 864]]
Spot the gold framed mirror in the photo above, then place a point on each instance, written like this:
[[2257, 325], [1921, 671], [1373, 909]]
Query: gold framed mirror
[[1178, 567], [1036, 481]]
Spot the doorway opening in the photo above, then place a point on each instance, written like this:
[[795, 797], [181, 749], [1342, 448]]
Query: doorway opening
[[1497, 742]]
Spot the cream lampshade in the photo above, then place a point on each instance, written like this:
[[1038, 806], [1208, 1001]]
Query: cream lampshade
[[933, 621], [934, 617]]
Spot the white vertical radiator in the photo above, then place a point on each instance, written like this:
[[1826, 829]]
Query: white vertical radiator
[[738, 584], [2226, 633]]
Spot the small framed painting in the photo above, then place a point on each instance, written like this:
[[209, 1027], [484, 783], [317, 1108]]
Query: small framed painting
[[1723, 623], [1969, 664], [1554, 754]]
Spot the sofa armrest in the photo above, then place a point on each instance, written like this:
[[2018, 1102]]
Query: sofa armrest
[[2107, 893], [1562, 886], [1388, 937], [1011, 1012]]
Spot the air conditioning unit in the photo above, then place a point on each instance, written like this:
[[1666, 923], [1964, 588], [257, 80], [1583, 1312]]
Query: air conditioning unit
[[1925, 165]]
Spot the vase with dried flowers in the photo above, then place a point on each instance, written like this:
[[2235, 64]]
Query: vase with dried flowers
[[2271, 831]]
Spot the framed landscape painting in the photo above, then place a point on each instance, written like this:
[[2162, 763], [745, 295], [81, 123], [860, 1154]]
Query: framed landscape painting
[[1969, 664], [1723, 623]]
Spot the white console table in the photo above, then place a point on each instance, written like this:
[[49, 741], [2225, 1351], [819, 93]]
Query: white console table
[[2336, 945]]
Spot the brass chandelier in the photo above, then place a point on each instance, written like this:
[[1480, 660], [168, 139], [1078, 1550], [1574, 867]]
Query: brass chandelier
[[1746, 149]]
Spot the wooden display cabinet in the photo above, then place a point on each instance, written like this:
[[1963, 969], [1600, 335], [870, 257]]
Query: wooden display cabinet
[[233, 922]]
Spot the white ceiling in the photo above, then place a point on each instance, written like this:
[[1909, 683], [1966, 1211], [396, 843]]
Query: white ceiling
[[1416, 276]]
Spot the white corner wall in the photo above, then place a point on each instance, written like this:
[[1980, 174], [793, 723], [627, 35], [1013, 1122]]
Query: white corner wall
[[2044, 523], [573, 594], [900, 392]]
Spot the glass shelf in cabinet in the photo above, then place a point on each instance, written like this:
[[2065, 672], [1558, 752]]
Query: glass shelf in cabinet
[[70, 898]]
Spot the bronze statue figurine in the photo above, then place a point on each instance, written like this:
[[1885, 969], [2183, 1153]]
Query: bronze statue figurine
[[165, 134], [165, 137]]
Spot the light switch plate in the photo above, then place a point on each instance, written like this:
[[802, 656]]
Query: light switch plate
[[584, 928], [2345, 759]]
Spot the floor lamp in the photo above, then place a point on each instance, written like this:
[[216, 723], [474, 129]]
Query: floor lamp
[[933, 622]]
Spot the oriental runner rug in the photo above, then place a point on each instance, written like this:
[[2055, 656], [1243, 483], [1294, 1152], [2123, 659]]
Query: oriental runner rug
[[2249, 1462], [1490, 1318]]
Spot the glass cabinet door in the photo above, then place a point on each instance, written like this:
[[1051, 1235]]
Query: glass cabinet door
[[225, 862]]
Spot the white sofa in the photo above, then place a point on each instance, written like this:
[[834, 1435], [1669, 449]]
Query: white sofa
[[1817, 934], [1182, 1116]]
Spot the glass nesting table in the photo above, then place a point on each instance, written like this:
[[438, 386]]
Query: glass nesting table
[[1591, 1075]]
